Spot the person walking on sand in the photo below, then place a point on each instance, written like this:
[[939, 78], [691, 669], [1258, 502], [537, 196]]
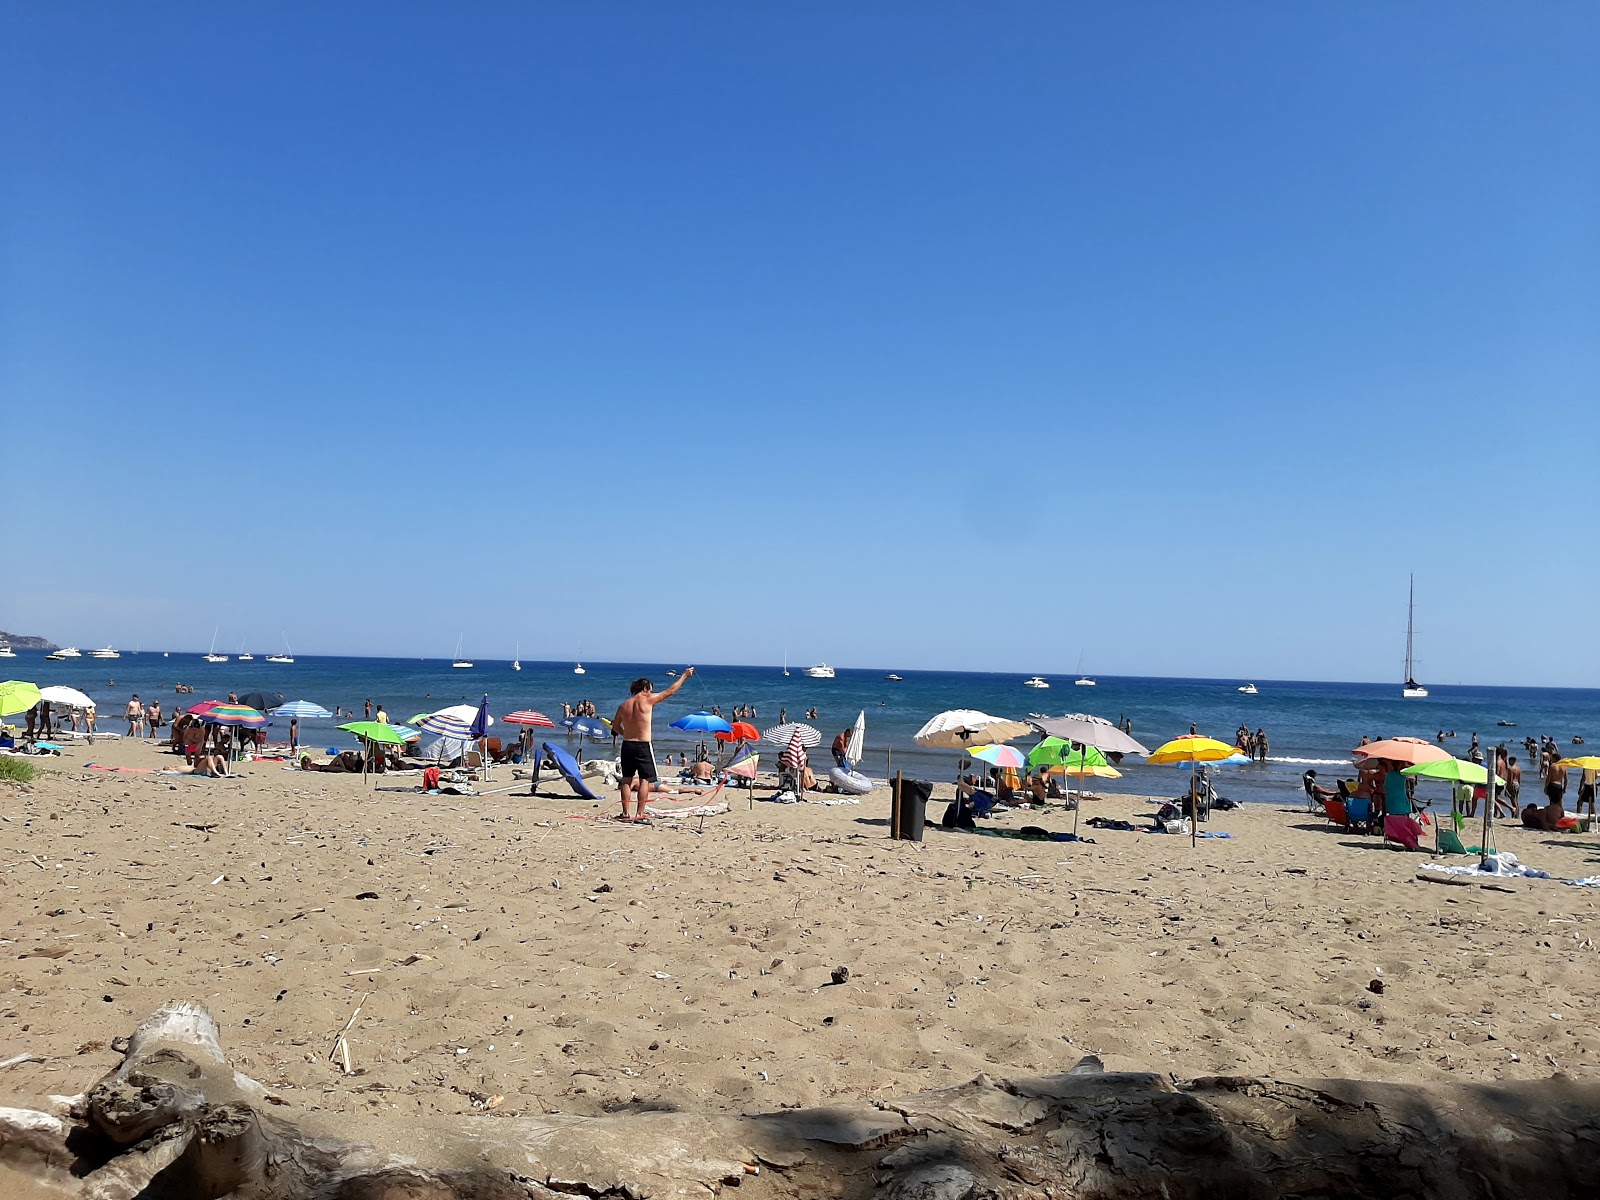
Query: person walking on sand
[[135, 715], [152, 715], [637, 760]]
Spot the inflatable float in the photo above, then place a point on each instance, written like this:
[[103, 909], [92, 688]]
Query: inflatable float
[[849, 782]]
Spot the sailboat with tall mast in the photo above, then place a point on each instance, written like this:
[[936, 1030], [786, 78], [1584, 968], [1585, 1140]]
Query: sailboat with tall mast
[[464, 663], [578, 667], [212, 656], [1412, 690]]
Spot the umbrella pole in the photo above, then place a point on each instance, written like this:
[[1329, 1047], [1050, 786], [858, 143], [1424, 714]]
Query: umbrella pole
[[1066, 786]]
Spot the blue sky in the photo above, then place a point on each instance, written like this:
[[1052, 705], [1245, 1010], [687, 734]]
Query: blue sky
[[916, 335]]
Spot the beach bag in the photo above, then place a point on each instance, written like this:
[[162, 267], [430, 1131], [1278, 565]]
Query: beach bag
[[1177, 824]]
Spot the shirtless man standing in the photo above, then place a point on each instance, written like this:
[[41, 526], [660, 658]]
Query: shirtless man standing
[[632, 724]]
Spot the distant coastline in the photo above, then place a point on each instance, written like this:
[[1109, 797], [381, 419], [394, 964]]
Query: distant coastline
[[19, 641]]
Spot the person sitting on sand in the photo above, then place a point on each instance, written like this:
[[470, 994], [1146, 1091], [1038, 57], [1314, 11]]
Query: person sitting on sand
[[1052, 788], [347, 762], [213, 766], [701, 772], [1552, 817], [1037, 786]]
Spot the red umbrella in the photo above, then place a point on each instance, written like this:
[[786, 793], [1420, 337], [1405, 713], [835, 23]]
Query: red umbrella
[[205, 706], [528, 717], [742, 731]]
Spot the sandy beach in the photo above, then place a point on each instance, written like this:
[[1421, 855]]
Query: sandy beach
[[520, 955]]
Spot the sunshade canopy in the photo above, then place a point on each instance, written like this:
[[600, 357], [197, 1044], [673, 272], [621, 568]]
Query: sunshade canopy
[[1589, 762], [961, 728], [303, 709], [1088, 730], [1456, 770], [17, 695], [60, 694], [999, 756], [702, 722], [446, 726], [527, 716], [782, 735], [740, 731], [1403, 749], [239, 715], [1191, 749], [262, 701], [1055, 752], [377, 731]]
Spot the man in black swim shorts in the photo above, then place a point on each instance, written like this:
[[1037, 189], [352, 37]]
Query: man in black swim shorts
[[638, 760]]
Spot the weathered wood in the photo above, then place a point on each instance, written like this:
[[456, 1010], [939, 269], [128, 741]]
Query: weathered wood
[[174, 1121]]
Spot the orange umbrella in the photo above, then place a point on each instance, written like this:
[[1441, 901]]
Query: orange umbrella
[[1403, 749], [742, 731]]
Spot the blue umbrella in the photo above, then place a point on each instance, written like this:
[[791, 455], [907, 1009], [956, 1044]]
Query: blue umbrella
[[481, 722], [446, 726], [303, 709], [587, 725], [702, 722]]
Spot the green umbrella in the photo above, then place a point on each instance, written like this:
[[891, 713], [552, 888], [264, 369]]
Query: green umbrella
[[17, 696], [377, 731], [1454, 770], [418, 719], [1054, 752]]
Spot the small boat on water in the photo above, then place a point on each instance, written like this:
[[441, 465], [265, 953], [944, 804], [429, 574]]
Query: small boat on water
[[895, 678], [286, 657], [64, 653], [516, 662], [1036, 682], [1250, 689], [6, 651], [1084, 681], [211, 656], [820, 671], [244, 655], [464, 663], [577, 668]]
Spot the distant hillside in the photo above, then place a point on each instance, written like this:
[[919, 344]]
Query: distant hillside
[[22, 642]]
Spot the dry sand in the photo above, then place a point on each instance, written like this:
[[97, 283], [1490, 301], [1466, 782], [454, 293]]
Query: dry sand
[[517, 954]]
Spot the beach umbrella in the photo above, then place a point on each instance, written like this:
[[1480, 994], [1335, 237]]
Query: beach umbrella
[[587, 726], [1589, 762], [782, 735], [999, 756], [1054, 752], [417, 718], [66, 696], [702, 722], [262, 701], [479, 729], [301, 709], [445, 726], [739, 731], [530, 718], [240, 716], [856, 744], [1454, 770], [17, 696], [201, 709], [377, 731], [960, 728], [1403, 749], [1088, 730], [1195, 752]]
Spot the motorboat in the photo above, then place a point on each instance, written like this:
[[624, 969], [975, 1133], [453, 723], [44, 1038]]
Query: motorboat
[[64, 653], [1250, 689], [104, 652], [820, 671], [895, 678], [1036, 682], [1411, 689], [6, 651]]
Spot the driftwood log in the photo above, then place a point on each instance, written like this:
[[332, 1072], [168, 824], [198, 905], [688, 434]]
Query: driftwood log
[[175, 1122]]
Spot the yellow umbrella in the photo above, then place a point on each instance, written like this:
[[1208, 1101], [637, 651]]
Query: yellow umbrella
[[1198, 751], [1097, 770], [1589, 762], [17, 696]]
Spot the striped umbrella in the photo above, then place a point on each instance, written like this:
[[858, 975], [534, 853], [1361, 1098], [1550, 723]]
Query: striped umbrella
[[448, 726], [999, 756], [527, 716], [240, 715], [794, 755], [201, 709], [303, 709], [782, 735]]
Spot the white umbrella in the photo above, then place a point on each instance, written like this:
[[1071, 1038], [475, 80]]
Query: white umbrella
[[782, 735], [465, 713], [858, 738], [963, 727], [71, 697], [446, 726]]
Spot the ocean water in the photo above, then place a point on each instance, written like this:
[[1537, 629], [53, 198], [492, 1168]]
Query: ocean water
[[1307, 723]]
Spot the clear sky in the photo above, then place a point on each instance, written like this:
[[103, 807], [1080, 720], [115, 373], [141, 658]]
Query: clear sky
[[890, 334]]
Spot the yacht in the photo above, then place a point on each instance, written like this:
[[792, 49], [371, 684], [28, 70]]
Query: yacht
[[286, 657], [1250, 689], [104, 652], [211, 655], [894, 678], [6, 651], [1085, 681], [65, 653], [820, 671], [1036, 682]]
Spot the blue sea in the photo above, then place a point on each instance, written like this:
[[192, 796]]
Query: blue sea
[[1307, 723]]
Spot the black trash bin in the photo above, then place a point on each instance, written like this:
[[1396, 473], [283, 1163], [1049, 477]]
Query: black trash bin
[[909, 816]]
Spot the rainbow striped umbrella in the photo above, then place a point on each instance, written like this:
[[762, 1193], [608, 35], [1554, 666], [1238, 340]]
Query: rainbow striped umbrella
[[999, 756], [241, 715]]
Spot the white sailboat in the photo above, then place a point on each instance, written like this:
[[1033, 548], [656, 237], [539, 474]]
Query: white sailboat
[[286, 657], [464, 663], [578, 668], [211, 655], [1038, 681], [244, 655], [1412, 690], [786, 664], [516, 663]]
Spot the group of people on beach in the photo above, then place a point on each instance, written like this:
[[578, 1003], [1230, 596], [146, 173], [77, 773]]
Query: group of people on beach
[[1254, 745]]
